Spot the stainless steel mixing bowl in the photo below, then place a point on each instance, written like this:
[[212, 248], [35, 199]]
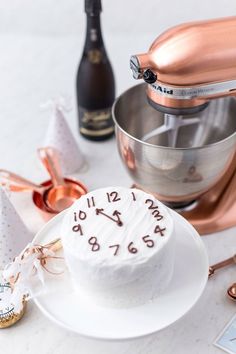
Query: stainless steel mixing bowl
[[202, 154]]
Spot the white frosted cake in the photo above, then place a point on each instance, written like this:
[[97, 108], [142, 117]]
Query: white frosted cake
[[119, 246]]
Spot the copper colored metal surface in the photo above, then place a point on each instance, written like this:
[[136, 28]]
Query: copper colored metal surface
[[51, 196], [216, 209], [171, 102], [222, 264], [46, 212], [191, 55], [231, 291], [61, 195], [40, 204], [50, 160], [17, 183]]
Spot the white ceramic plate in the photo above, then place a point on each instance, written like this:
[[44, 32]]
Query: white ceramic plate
[[65, 307]]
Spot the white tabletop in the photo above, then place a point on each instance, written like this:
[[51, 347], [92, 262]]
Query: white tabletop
[[31, 71]]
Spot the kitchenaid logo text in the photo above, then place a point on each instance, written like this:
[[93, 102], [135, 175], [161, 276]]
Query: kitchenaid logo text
[[183, 92], [162, 89], [192, 92]]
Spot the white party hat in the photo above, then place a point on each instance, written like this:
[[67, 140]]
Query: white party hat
[[14, 235], [60, 137]]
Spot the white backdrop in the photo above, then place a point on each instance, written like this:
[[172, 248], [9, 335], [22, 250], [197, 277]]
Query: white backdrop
[[65, 17], [135, 22], [129, 26]]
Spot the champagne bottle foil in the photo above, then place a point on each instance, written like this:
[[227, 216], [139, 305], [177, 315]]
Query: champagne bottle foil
[[93, 7]]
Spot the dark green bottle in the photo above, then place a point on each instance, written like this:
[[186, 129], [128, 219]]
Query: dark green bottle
[[95, 82]]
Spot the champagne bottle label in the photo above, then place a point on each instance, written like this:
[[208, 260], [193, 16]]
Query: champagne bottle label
[[94, 56], [96, 123]]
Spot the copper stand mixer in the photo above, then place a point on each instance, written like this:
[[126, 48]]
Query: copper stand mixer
[[191, 72]]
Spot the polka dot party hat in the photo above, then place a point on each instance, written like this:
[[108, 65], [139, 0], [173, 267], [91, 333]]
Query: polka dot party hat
[[61, 138], [14, 235]]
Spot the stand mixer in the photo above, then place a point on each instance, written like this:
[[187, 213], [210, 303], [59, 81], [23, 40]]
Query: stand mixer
[[191, 75]]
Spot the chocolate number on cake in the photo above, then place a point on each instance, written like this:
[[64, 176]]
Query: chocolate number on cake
[[115, 217], [115, 241]]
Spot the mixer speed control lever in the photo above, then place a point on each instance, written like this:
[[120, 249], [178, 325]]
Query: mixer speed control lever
[[149, 76]]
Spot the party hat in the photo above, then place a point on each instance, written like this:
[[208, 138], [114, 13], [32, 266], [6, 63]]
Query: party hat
[[14, 235], [61, 138]]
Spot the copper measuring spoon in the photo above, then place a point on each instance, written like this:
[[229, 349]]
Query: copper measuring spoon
[[62, 194], [17, 183], [231, 291], [226, 262]]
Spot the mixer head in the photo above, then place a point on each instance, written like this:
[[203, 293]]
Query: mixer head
[[185, 68], [173, 117], [164, 98], [188, 65]]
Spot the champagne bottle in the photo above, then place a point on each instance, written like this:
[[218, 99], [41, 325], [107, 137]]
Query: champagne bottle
[[95, 80]]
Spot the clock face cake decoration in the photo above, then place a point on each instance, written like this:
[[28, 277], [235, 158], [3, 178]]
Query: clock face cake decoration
[[119, 246]]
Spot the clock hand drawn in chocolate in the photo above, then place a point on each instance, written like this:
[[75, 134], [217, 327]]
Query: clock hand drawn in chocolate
[[142, 221], [116, 213]]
